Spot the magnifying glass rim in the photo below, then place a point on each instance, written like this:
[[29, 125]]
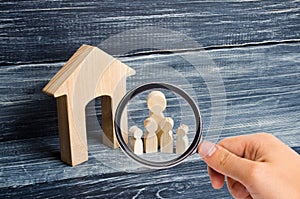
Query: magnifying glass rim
[[151, 164]]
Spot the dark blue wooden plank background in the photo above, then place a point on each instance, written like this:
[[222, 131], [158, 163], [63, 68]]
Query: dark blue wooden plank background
[[256, 45]]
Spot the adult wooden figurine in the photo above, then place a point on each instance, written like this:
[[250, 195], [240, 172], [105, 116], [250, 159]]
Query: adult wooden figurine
[[88, 74], [166, 139], [150, 138], [157, 103]]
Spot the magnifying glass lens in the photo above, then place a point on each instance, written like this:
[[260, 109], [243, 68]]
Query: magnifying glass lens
[[158, 125]]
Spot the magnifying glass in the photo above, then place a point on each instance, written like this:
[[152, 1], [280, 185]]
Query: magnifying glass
[[171, 129]]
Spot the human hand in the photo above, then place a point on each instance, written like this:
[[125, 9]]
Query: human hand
[[255, 166]]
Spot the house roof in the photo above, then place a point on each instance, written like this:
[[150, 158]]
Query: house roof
[[70, 67]]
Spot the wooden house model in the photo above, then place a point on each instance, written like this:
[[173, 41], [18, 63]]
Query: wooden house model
[[88, 74]]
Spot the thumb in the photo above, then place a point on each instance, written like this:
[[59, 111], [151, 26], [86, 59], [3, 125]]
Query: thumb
[[225, 162]]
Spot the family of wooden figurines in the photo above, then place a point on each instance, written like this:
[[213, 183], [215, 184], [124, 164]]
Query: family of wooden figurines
[[159, 130]]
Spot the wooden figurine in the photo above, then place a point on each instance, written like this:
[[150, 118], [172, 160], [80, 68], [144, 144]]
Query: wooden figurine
[[136, 143], [150, 138], [158, 117], [88, 74], [166, 139], [182, 141], [157, 103]]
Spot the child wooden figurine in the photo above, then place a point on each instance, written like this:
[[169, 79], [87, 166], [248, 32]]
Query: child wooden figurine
[[182, 141], [150, 138], [136, 143], [166, 139]]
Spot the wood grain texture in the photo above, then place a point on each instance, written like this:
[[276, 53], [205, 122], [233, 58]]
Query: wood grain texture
[[261, 81], [266, 102], [159, 184], [255, 44], [34, 31], [187, 180]]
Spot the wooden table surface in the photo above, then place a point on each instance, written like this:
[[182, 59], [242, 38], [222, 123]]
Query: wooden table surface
[[255, 44]]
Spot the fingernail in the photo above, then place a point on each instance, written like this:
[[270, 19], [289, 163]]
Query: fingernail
[[207, 149]]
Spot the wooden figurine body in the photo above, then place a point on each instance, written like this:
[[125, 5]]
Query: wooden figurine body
[[166, 139], [150, 138], [182, 142], [158, 118], [136, 143], [166, 142], [157, 103]]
